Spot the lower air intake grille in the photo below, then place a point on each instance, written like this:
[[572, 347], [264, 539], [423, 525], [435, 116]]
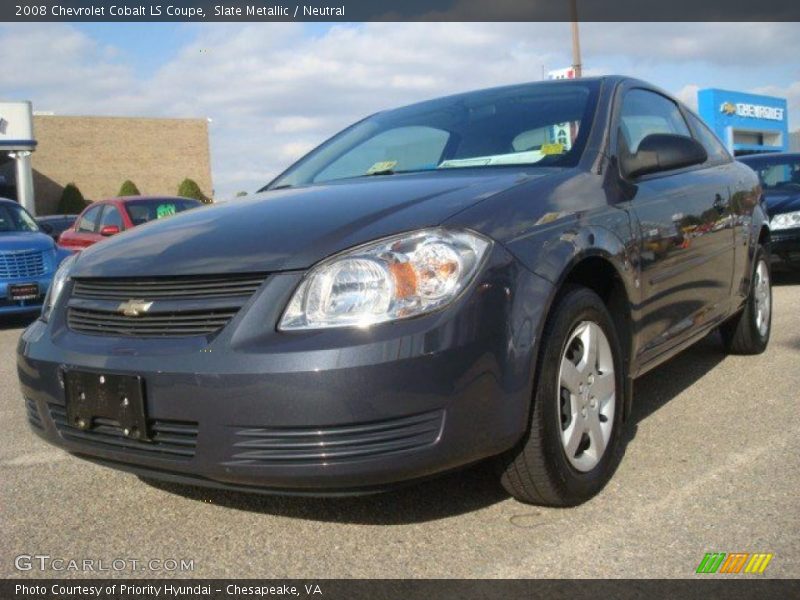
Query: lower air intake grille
[[262, 446], [172, 324], [171, 439], [33, 414]]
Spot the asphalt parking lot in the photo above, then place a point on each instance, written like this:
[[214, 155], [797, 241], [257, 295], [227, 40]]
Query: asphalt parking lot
[[712, 465]]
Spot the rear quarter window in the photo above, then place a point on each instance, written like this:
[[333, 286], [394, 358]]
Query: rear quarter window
[[143, 211]]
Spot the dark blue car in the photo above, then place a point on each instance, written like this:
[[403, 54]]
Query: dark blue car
[[780, 177], [28, 260], [482, 275]]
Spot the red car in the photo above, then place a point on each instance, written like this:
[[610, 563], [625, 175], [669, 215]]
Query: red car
[[105, 218]]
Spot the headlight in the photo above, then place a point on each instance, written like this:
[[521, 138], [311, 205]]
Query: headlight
[[395, 278], [786, 220], [57, 286]]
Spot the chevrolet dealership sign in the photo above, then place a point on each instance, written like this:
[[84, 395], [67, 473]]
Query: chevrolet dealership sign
[[746, 122], [752, 111]]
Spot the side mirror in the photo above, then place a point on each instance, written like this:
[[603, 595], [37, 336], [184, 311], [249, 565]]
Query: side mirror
[[662, 152], [47, 228], [109, 230]]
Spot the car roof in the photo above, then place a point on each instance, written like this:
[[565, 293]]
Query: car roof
[[124, 199], [612, 80]]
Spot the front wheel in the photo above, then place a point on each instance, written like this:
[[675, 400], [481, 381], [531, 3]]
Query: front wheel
[[572, 446], [748, 332]]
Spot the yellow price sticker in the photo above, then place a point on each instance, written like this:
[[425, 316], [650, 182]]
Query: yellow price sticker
[[552, 149], [386, 165]]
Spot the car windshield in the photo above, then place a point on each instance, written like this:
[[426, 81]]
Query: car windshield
[[15, 219], [535, 124], [142, 211], [777, 172]]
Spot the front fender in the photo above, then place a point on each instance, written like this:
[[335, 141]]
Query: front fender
[[553, 251], [759, 221]]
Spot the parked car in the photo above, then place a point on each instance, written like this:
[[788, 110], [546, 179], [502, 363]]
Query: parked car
[[28, 260], [105, 218], [780, 177], [437, 284], [55, 225]]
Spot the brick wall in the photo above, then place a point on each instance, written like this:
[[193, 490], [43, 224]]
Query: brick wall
[[99, 153]]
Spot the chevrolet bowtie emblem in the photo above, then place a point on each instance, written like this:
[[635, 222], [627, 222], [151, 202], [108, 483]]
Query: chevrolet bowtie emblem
[[134, 308]]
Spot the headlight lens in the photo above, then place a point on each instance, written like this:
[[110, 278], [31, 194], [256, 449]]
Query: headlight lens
[[394, 278], [57, 286], [786, 220]]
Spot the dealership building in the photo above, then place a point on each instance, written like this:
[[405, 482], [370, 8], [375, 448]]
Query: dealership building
[[42, 153], [747, 123]]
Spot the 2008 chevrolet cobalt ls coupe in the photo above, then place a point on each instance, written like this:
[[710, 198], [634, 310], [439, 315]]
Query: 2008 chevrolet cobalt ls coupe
[[479, 275]]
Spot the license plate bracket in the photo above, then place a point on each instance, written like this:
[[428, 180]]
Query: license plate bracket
[[94, 399], [23, 291]]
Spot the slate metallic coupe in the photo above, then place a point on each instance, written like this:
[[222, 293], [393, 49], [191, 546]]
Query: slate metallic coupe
[[482, 275], [780, 177]]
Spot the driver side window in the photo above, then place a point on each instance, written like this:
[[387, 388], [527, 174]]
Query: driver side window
[[111, 216], [644, 113], [88, 221]]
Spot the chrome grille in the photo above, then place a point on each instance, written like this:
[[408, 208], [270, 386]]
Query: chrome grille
[[21, 263], [176, 306], [171, 439]]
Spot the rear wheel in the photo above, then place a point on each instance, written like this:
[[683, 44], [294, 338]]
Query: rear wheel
[[572, 447], [748, 332]]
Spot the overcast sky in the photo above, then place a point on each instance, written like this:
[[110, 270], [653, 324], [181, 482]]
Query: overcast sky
[[273, 91]]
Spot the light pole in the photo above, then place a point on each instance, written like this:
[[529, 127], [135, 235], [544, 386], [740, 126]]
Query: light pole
[[576, 42]]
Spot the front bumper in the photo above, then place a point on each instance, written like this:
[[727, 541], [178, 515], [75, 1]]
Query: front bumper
[[318, 412], [785, 244], [8, 307]]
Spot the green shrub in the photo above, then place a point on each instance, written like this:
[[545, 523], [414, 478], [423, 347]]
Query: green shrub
[[189, 189], [129, 189], [72, 201]]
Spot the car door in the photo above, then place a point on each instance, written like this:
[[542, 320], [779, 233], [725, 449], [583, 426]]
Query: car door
[[684, 225], [85, 232]]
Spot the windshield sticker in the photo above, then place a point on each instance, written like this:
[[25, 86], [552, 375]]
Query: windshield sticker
[[552, 149], [165, 210], [513, 158], [379, 167]]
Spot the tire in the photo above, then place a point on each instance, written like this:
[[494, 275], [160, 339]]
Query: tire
[[548, 467], [748, 332]]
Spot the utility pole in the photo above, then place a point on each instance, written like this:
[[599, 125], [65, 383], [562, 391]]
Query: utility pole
[[576, 42]]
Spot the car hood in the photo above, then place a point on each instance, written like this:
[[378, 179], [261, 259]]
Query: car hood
[[291, 229], [16, 241], [781, 202]]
